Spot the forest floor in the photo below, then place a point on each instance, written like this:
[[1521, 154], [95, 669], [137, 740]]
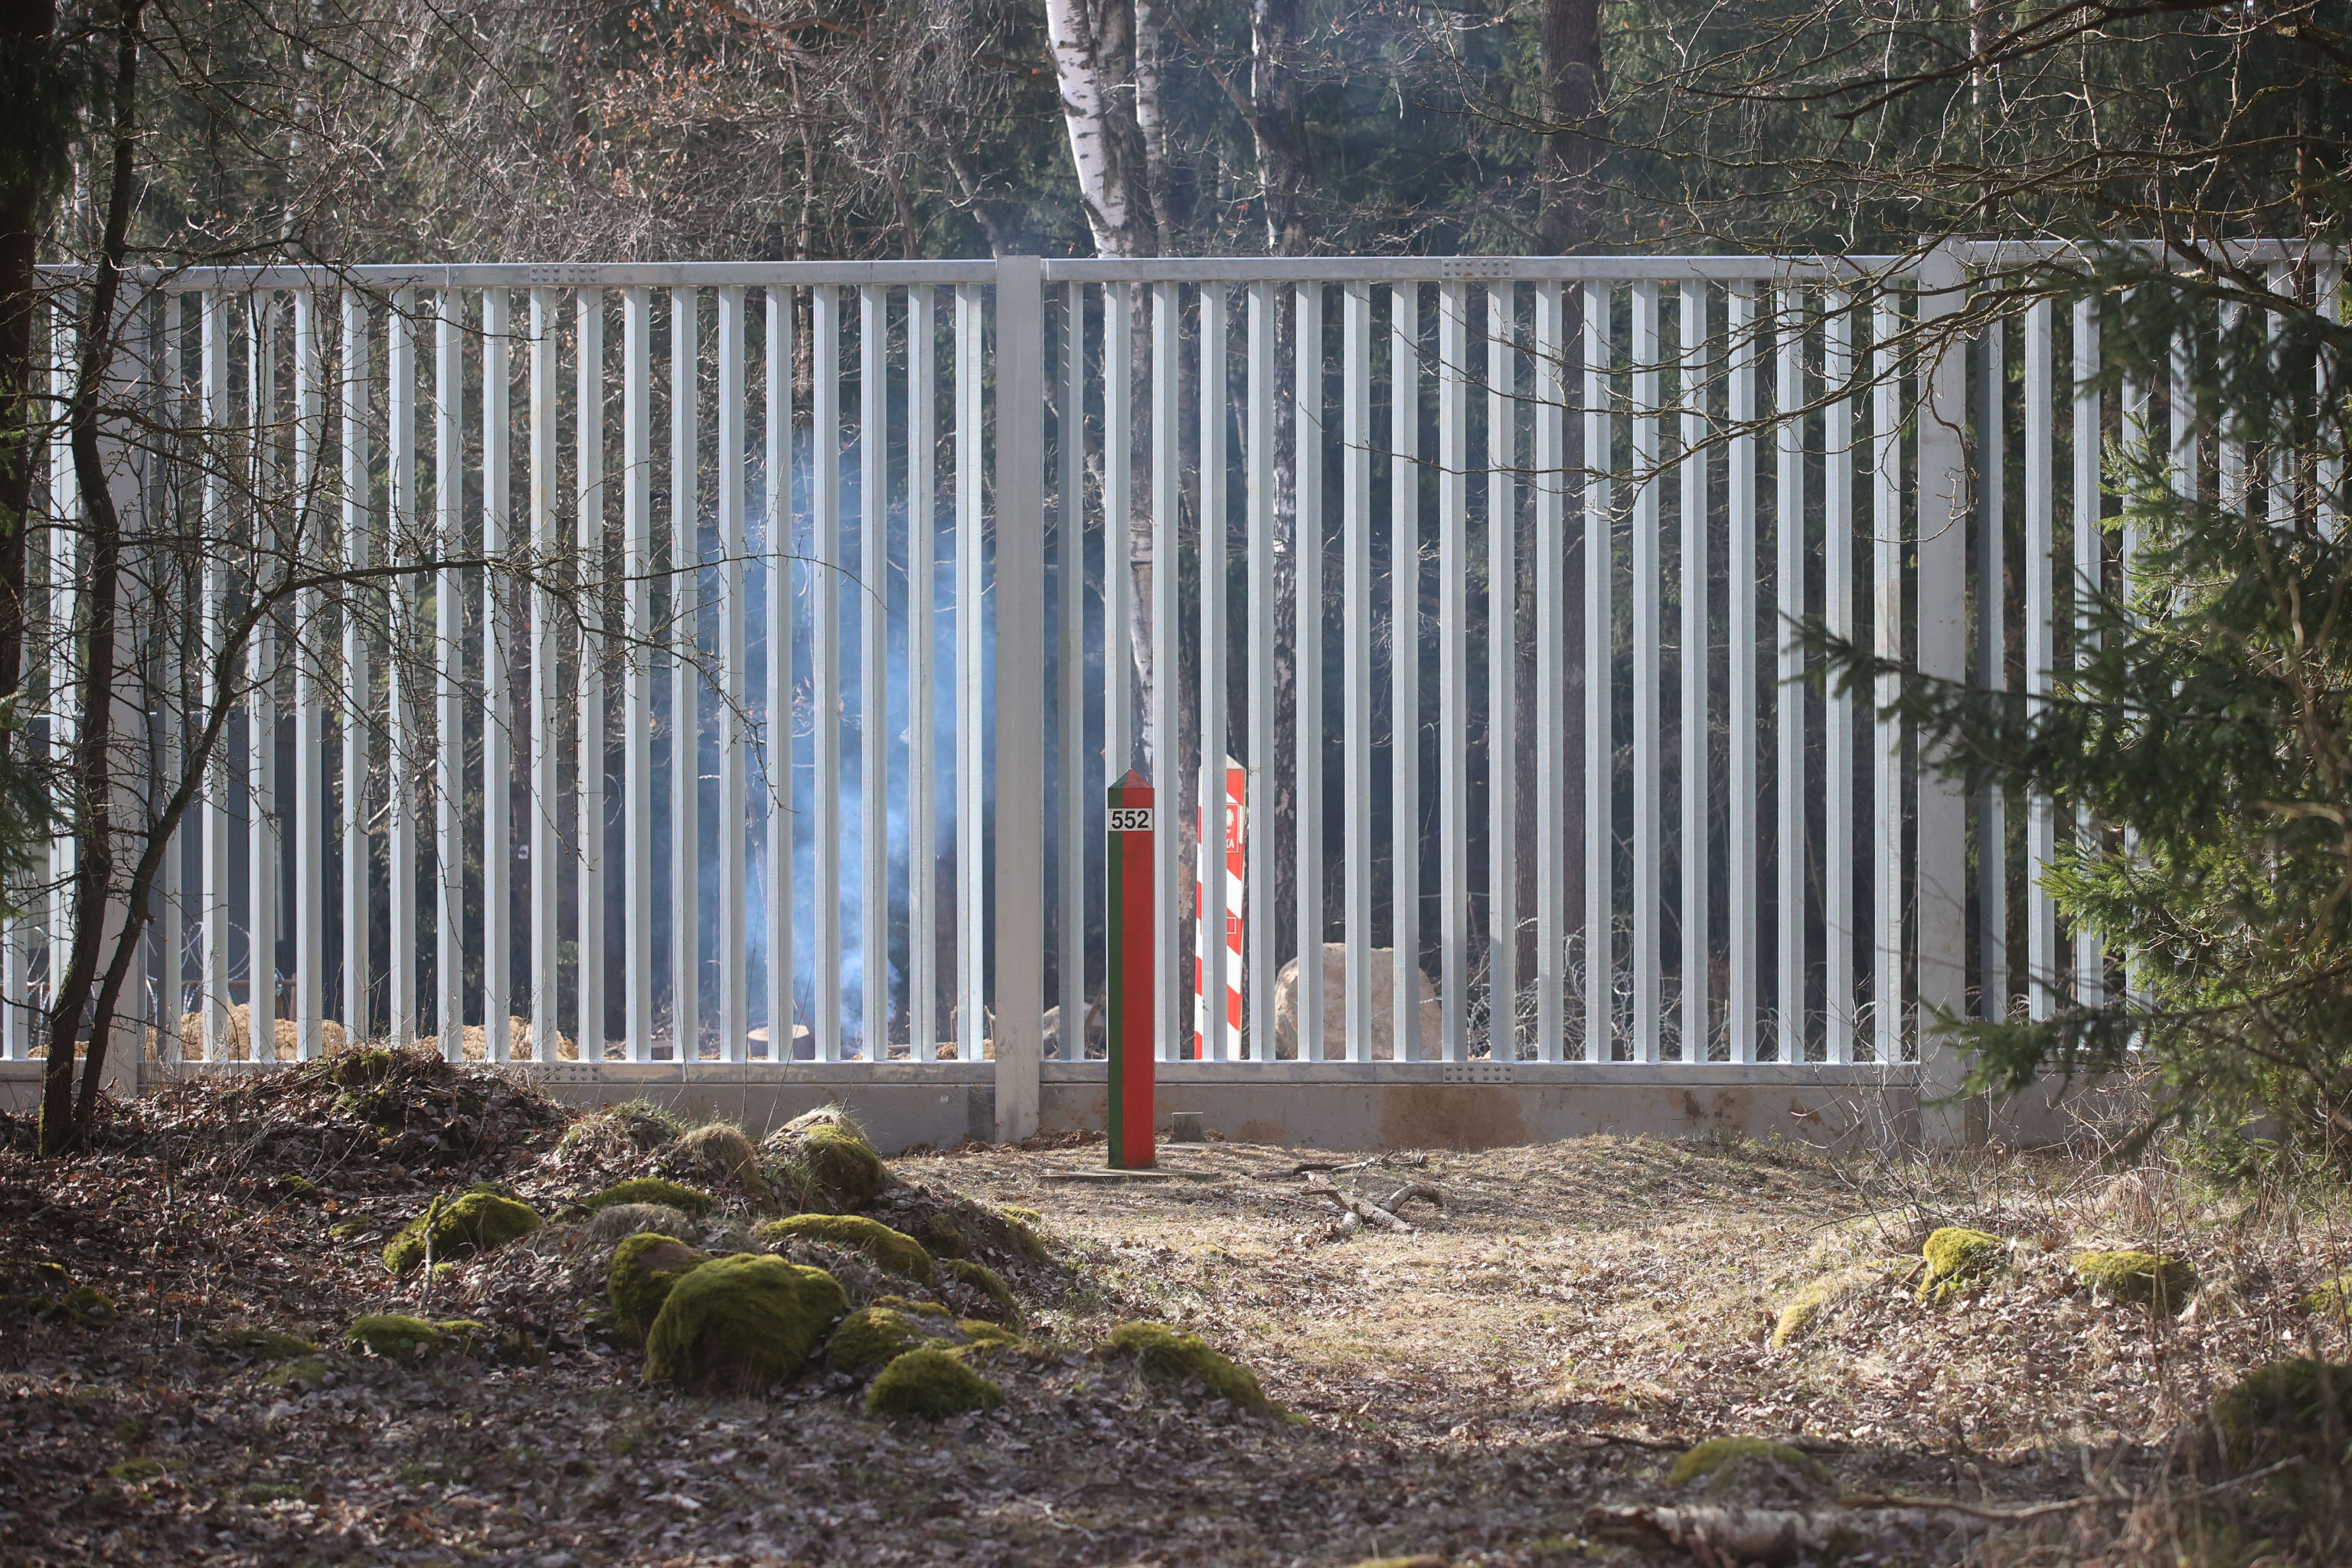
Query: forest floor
[[1508, 1383]]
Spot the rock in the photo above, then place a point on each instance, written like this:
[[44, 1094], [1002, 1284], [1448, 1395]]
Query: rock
[[2283, 1409], [717, 1151], [1381, 1046], [397, 1337], [741, 1324], [895, 1250], [607, 1225], [1797, 1317], [1171, 1357], [2138, 1278], [479, 1221], [687, 1200], [955, 1226], [931, 1383], [821, 1161], [1957, 1258], [872, 1336], [985, 1281], [1732, 1467], [644, 1270]]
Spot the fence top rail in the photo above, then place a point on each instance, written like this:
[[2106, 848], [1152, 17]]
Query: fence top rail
[[1466, 268], [558, 275]]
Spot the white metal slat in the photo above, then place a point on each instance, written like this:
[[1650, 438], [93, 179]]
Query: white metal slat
[[1073, 779], [1992, 663], [971, 685], [2040, 657], [594, 571], [734, 848], [1789, 707], [1307, 395], [400, 766], [2090, 960], [546, 838], [637, 674], [2327, 470], [1740, 837], [1452, 672], [358, 712], [1404, 669], [262, 860], [1886, 639], [686, 674], [1212, 1023], [777, 733], [2283, 465], [1837, 617], [1168, 866], [825, 665], [63, 581], [1502, 675], [1648, 998], [309, 837], [1692, 657], [874, 673], [1550, 390], [2234, 477], [1355, 656], [1599, 710], [498, 694], [1258, 898], [449, 674], [922, 680]]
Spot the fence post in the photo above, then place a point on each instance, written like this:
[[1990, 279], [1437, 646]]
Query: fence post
[[1017, 912], [1943, 869]]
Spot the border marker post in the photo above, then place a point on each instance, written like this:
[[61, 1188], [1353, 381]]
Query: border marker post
[[1128, 983]]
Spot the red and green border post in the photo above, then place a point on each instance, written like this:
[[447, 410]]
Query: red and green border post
[[1127, 873]]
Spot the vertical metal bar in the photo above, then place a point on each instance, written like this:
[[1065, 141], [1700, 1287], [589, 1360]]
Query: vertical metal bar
[[1992, 665], [637, 675], [1117, 528], [310, 839], [1452, 672], [64, 584], [778, 730], [1258, 897], [2283, 465], [2090, 555], [589, 305], [2234, 480], [734, 851], [1167, 849], [922, 678], [1886, 640], [1307, 395], [2327, 469], [449, 674], [498, 695], [1741, 835], [972, 682], [1788, 707], [546, 854], [874, 671], [1404, 669], [1502, 675], [2040, 657], [1692, 661], [358, 712], [1649, 1001], [824, 663], [1215, 735], [1074, 782], [686, 674], [1548, 386], [262, 887], [1018, 910], [1837, 616], [399, 826], [1356, 655], [1599, 712]]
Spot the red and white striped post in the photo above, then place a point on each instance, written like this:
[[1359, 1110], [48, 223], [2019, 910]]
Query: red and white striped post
[[1236, 883], [1132, 920]]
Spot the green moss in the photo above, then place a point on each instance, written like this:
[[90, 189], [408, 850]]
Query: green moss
[[824, 1161], [397, 1337], [363, 1068], [1797, 1317], [644, 1267], [907, 1304], [740, 1324], [980, 1332], [1021, 1216], [295, 1186], [309, 1372], [477, 1221], [1178, 1358], [988, 1282], [931, 1383], [2138, 1278], [2283, 1409], [1957, 1258], [87, 1303], [2334, 1298], [134, 1472], [351, 1229], [266, 1344], [872, 1336], [1722, 1456], [895, 1250], [960, 1227], [692, 1201]]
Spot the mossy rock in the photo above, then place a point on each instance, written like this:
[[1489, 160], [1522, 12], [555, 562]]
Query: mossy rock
[[2281, 1410], [1720, 1460], [1170, 1356], [895, 1250], [1805, 1308], [917, 1308], [1015, 1213], [397, 1337], [931, 1383], [1957, 1258], [984, 1333], [477, 1221], [692, 1201], [303, 1373], [620, 1221], [294, 1186], [740, 1324], [825, 1161], [266, 1344], [988, 1282], [361, 1069], [873, 1336], [645, 1267], [2138, 1278], [351, 1229], [83, 1304], [718, 1150], [2333, 1298], [958, 1227]]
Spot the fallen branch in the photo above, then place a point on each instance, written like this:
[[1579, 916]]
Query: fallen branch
[[1362, 1209], [1422, 1190]]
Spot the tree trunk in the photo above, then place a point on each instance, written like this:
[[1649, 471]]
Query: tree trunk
[[26, 26], [1278, 122], [1575, 82], [1094, 61]]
